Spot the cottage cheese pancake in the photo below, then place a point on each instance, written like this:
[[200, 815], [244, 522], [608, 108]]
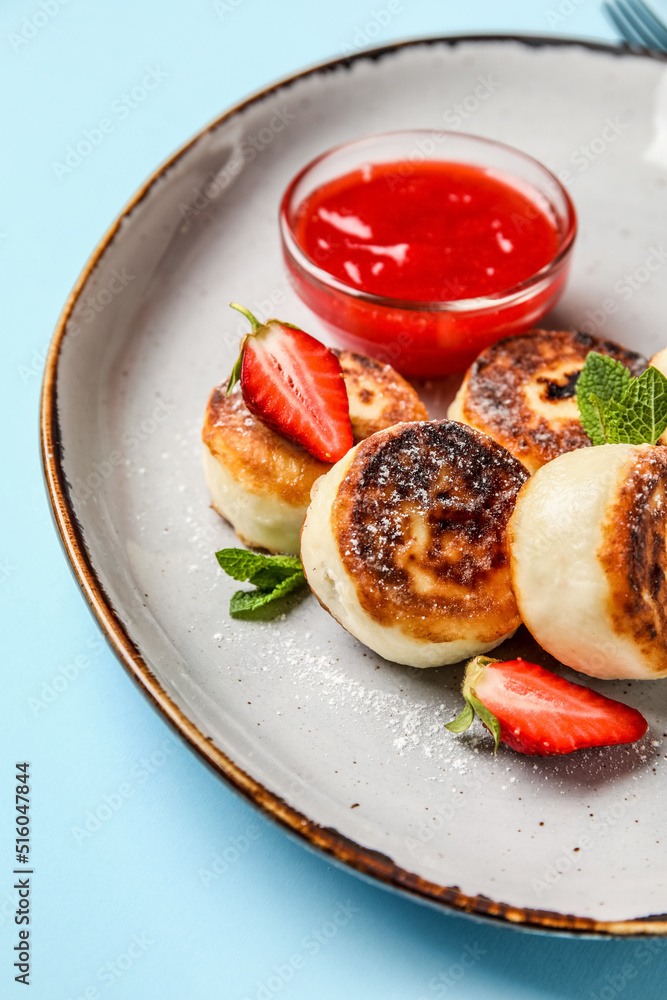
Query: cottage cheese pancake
[[260, 481], [588, 543], [404, 542], [522, 392]]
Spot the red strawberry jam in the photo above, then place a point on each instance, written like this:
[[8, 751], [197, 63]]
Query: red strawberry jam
[[427, 232]]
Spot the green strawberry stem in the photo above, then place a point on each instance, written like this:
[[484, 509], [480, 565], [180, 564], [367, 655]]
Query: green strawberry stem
[[255, 324], [463, 721], [256, 327], [473, 706]]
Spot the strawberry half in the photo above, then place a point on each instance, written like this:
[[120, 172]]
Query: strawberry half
[[294, 384], [537, 712]]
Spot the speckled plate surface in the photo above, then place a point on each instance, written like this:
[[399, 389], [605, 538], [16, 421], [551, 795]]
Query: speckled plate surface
[[343, 748]]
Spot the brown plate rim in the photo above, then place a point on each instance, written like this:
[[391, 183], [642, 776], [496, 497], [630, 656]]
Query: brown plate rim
[[328, 841]]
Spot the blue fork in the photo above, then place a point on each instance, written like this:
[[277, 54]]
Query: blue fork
[[637, 23]]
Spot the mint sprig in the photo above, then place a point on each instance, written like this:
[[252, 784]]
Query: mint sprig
[[273, 576], [616, 408], [602, 379]]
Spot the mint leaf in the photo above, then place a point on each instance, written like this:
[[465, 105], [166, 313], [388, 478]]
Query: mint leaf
[[618, 409], [274, 577], [595, 418], [602, 380], [271, 576], [245, 602], [262, 570], [237, 563], [608, 414], [641, 416]]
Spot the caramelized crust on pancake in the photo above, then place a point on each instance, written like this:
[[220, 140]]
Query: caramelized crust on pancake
[[522, 392], [260, 481], [633, 555], [258, 459], [263, 461], [419, 521], [379, 396]]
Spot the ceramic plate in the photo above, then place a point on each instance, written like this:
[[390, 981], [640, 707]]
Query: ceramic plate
[[343, 748]]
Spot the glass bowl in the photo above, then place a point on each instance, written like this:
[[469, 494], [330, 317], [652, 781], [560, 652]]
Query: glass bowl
[[428, 338]]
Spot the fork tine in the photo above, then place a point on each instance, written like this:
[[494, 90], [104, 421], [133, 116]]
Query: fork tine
[[652, 22], [620, 22], [635, 18]]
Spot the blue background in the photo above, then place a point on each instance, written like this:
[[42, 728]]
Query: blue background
[[128, 910]]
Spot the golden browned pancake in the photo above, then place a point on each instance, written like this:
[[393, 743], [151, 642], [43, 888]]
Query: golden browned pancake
[[379, 397], [258, 459], [588, 543], [522, 392], [261, 481], [404, 542], [633, 555]]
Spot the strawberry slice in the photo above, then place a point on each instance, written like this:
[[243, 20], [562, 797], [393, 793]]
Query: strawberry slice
[[294, 384], [537, 712]]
